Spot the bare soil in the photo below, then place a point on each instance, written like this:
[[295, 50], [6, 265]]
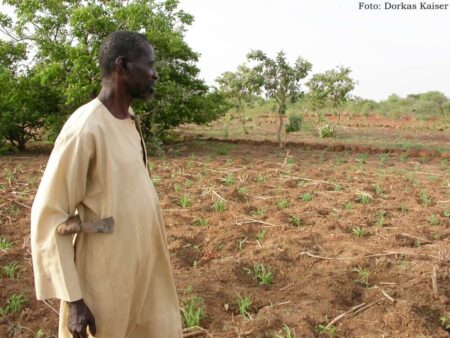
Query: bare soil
[[329, 249]]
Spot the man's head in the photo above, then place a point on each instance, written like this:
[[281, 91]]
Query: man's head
[[129, 58]]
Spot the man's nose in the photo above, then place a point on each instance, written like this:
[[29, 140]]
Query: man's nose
[[155, 75]]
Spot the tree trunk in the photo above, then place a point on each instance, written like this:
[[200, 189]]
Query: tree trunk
[[280, 129]]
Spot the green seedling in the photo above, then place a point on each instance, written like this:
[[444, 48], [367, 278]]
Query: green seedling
[[362, 158], [219, 206], [306, 197], [12, 270], [10, 176], [184, 201], [363, 275], [192, 311], [188, 183], [201, 222], [403, 209], [39, 334], [337, 187], [5, 244], [444, 164], [359, 232], [415, 183], [301, 183], [348, 206], [425, 199], [287, 333], [295, 220], [261, 235], [176, 187], [446, 213], [379, 222], [260, 178], [228, 180], [14, 210], [283, 204], [363, 198], [403, 158], [384, 158], [241, 243], [226, 148], [445, 322], [244, 304], [378, 190], [14, 305], [340, 160], [261, 274], [330, 331], [433, 220], [242, 191], [290, 161], [259, 212]]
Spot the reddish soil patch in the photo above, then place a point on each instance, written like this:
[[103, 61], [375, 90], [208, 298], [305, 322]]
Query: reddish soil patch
[[329, 248]]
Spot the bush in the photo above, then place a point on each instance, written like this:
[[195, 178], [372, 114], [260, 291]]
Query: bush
[[325, 131]]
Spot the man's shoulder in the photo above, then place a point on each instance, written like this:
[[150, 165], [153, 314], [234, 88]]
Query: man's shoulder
[[87, 119]]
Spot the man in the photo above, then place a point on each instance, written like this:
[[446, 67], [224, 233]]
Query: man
[[111, 285]]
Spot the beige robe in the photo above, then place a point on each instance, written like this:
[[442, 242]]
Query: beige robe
[[97, 169]]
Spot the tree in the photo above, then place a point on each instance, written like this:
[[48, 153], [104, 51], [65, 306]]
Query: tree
[[281, 81], [331, 87], [63, 39], [241, 87], [24, 101]]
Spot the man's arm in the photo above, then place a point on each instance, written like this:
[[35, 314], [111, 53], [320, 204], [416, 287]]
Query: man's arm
[[62, 188]]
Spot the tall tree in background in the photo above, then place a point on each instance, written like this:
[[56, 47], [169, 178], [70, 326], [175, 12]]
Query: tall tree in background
[[62, 38], [330, 88], [281, 81], [240, 87]]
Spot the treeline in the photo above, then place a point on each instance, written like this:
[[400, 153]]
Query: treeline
[[48, 65], [48, 68]]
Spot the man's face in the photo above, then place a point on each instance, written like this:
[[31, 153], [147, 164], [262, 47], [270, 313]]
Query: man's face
[[142, 75]]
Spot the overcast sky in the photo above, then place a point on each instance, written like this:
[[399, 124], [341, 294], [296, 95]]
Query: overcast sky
[[389, 51]]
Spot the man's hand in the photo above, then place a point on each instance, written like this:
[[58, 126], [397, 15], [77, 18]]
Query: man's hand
[[80, 317]]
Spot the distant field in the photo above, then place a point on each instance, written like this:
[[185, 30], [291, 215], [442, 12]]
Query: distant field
[[358, 133]]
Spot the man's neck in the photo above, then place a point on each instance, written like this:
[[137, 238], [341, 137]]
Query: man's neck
[[117, 103]]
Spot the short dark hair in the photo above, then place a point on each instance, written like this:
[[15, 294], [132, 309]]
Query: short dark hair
[[130, 45]]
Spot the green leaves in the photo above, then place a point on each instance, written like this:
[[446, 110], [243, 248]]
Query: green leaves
[[64, 40], [331, 87]]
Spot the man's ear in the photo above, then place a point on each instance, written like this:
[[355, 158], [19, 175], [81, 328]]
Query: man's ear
[[121, 65]]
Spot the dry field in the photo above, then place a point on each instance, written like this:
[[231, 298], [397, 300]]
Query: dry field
[[315, 242]]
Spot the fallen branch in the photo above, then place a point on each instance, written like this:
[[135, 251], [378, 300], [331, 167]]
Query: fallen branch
[[18, 203], [251, 220], [273, 305], [344, 314], [353, 311], [434, 280], [313, 180], [385, 294], [287, 286], [391, 253], [321, 257], [422, 240], [51, 307], [195, 331]]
